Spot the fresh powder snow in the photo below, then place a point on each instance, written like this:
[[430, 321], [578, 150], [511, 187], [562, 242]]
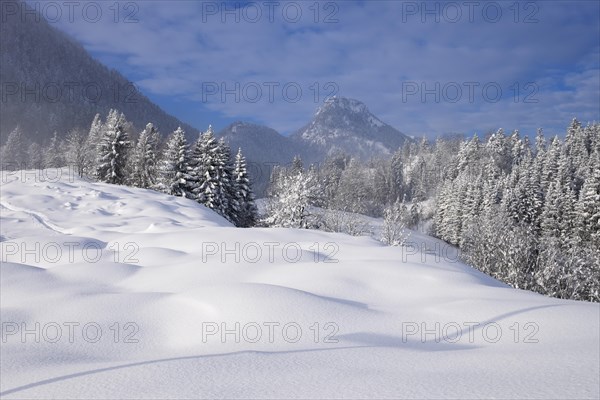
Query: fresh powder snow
[[117, 292]]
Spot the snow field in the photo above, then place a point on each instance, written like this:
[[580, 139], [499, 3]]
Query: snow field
[[116, 292]]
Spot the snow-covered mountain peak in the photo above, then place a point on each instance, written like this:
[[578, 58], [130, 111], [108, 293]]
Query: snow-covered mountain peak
[[343, 104], [237, 126], [344, 124]]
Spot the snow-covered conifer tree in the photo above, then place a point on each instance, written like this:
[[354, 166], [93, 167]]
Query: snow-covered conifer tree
[[587, 210], [113, 150], [54, 156], [209, 174], [247, 213], [14, 151], [144, 159], [297, 165], [91, 146], [35, 157], [173, 167], [76, 154]]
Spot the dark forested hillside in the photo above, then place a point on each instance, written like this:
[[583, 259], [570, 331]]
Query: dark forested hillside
[[42, 92]]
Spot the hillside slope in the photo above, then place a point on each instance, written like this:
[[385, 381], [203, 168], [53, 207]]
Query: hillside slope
[[263, 148], [42, 93]]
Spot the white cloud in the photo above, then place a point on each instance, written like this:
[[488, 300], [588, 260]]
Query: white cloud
[[177, 50]]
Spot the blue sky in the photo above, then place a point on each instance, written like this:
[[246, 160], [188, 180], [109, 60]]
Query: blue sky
[[426, 68]]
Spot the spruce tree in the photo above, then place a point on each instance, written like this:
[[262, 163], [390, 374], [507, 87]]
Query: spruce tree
[[551, 217], [54, 156], [145, 159], [297, 165], [247, 213], [499, 149], [173, 168], [76, 154], [587, 210], [230, 202], [397, 176], [91, 146], [207, 173], [440, 218], [113, 150], [330, 176], [469, 156], [550, 164], [35, 157], [14, 152], [354, 193]]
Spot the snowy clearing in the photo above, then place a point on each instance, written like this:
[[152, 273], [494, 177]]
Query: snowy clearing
[[115, 292]]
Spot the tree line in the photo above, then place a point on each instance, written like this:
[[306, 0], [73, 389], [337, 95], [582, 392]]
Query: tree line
[[525, 213], [204, 171]]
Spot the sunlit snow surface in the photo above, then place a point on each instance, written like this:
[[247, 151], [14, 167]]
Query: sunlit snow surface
[[338, 316]]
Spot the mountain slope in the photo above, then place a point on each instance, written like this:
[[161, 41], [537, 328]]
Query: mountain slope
[[263, 148], [339, 125], [50, 83], [308, 314], [260, 143], [347, 125]]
